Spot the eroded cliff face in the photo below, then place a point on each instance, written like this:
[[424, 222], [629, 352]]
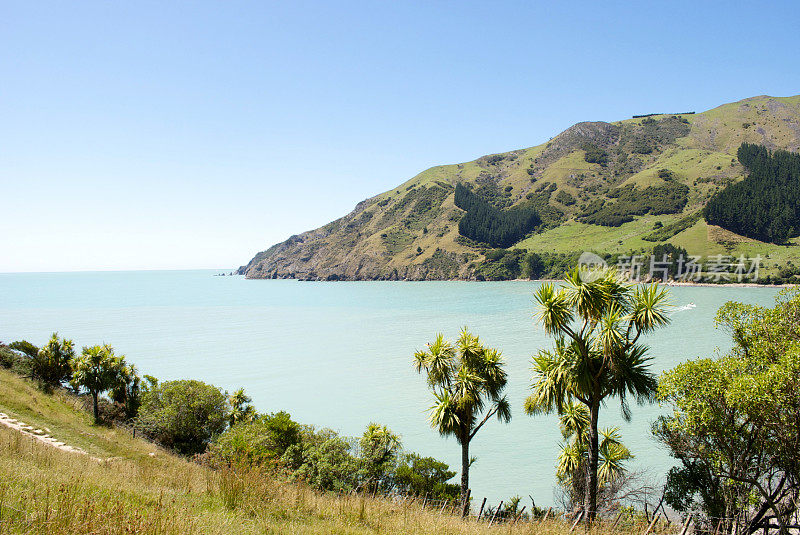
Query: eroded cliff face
[[411, 232]]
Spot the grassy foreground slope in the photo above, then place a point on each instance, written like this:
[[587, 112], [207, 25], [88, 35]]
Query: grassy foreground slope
[[411, 232], [140, 488]]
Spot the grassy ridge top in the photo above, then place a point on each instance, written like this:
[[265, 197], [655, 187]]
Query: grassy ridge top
[[411, 232]]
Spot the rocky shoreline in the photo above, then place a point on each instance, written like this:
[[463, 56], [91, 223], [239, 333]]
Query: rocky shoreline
[[672, 283]]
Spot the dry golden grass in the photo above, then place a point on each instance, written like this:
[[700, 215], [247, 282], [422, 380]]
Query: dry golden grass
[[48, 491], [720, 235], [43, 490]]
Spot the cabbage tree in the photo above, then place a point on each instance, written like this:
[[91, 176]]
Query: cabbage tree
[[571, 466], [597, 320], [98, 370], [467, 381]]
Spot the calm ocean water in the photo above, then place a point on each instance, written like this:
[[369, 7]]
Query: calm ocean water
[[340, 354]]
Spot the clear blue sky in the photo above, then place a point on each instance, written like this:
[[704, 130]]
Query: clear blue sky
[[147, 135]]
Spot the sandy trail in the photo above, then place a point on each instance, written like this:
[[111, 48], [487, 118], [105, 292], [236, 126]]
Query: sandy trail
[[42, 436]]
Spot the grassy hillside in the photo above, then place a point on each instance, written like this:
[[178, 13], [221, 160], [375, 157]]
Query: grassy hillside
[[140, 488], [574, 180]]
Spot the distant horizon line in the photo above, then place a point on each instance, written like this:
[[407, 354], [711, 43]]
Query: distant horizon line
[[225, 270]]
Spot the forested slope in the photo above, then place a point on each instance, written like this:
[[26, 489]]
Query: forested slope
[[766, 204]]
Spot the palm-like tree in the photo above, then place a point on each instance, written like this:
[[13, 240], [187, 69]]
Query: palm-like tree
[[572, 465], [127, 389], [379, 450], [241, 410], [52, 364], [597, 319], [467, 383], [97, 370]]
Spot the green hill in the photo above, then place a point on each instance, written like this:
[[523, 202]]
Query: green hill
[[611, 188]]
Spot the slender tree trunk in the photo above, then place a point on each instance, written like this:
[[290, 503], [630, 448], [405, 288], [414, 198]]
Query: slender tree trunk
[[96, 408], [464, 477], [594, 452]]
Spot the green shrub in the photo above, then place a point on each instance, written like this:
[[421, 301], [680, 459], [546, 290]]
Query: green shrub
[[501, 264], [594, 154], [126, 390], [565, 198], [323, 459], [532, 266], [507, 264], [673, 256], [642, 146], [669, 198], [183, 415], [421, 476], [23, 346], [258, 442], [8, 358]]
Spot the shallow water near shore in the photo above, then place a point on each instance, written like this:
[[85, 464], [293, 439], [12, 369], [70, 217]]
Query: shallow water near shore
[[339, 355]]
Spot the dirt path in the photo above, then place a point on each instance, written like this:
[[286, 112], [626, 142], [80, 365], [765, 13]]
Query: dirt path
[[42, 436]]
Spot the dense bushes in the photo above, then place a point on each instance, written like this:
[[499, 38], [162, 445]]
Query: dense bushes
[[328, 461], [323, 459], [669, 198], [501, 264], [261, 441], [539, 200], [484, 223], [7, 356], [565, 198], [766, 204], [423, 476], [735, 425], [594, 154], [673, 256], [183, 415], [11, 358], [509, 264], [652, 133]]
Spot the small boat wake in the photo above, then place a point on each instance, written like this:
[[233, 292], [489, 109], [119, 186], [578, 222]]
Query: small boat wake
[[687, 306]]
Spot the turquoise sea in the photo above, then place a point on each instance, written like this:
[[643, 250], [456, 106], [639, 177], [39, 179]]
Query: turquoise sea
[[340, 354]]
